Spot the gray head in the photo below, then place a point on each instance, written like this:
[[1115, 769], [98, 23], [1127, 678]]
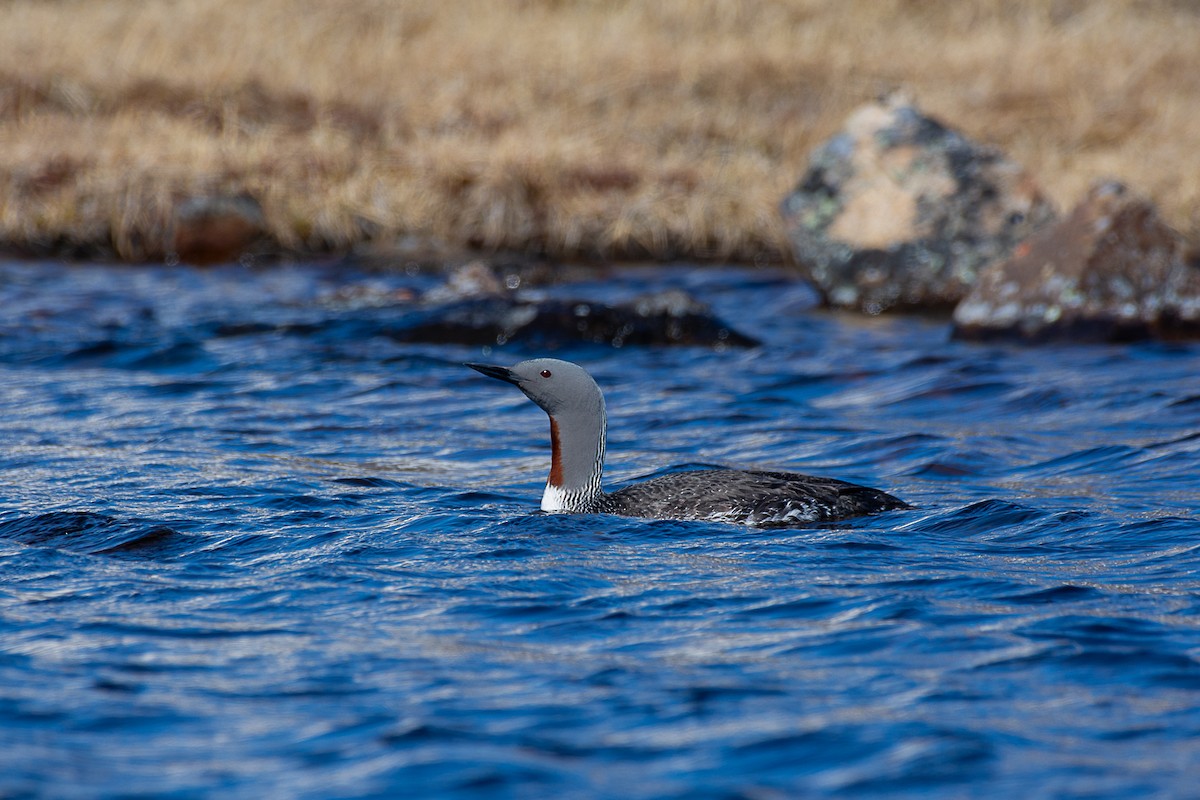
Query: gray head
[[557, 386], [567, 393]]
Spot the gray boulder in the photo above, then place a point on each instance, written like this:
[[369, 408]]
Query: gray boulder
[[1111, 271], [899, 212]]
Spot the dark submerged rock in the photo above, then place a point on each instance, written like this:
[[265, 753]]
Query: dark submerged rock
[[1111, 271], [484, 304], [481, 304], [663, 318], [899, 212]]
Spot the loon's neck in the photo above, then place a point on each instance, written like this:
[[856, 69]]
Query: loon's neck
[[577, 442]]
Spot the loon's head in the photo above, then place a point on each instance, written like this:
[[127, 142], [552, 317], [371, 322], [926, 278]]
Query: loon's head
[[559, 387]]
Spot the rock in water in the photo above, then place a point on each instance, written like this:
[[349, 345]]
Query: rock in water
[[480, 305], [214, 229], [666, 318], [1111, 271], [900, 212]]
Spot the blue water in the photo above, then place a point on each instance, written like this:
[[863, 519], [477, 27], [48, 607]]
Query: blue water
[[250, 547]]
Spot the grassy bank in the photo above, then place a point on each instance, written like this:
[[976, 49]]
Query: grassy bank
[[574, 128]]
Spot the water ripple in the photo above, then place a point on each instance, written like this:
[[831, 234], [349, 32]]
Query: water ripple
[[252, 545]]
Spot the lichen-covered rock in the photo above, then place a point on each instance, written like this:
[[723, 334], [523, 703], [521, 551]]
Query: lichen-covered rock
[[900, 212], [1111, 271], [215, 229]]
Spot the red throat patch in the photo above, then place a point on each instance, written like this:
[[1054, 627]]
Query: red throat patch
[[556, 469]]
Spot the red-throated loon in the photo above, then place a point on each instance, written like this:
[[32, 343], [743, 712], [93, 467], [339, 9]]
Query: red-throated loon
[[578, 423]]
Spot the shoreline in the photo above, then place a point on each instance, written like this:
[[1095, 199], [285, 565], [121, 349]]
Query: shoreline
[[557, 131]]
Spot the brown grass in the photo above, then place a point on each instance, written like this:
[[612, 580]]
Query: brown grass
[[571, 128]]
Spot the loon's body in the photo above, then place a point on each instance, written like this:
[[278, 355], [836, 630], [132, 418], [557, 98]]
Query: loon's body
[[578, 427]]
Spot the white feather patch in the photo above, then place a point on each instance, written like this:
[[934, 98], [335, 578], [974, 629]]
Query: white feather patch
[[554, 499]]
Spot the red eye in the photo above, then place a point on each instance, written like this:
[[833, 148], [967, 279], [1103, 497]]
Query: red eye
[[545, 373]]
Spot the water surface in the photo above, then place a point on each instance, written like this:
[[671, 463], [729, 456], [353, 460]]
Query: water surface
[[251, 546]]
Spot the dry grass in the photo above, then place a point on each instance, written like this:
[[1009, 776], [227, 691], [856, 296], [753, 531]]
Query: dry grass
[[573, 128]]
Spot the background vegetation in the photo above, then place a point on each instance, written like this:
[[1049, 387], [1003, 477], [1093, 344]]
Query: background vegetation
[[571, 128]]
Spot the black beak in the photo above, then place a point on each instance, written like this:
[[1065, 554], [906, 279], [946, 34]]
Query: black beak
[[499, 373]]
